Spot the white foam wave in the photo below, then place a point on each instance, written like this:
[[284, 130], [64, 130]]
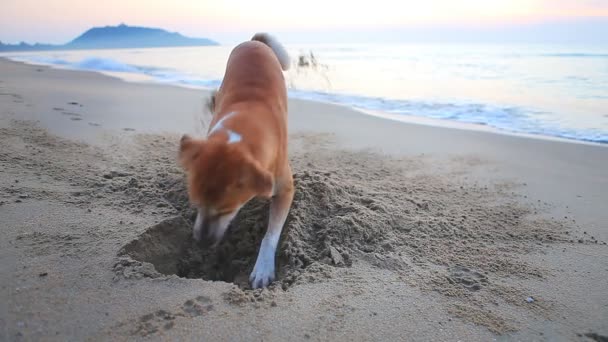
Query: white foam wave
[[105, 64]]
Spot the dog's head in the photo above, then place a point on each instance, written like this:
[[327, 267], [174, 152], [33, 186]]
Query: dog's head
[[221, 179]]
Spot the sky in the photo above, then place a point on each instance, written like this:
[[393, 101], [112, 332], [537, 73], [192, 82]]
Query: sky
[[59, 21]]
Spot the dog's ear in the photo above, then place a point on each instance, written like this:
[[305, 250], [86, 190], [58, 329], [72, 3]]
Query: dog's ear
[[189, 149], [260, 180]]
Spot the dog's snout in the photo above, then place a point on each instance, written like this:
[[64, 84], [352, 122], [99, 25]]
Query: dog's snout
[[209, 228]]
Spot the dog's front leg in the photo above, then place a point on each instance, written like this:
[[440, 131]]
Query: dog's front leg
[[197, 230], [264, 269]]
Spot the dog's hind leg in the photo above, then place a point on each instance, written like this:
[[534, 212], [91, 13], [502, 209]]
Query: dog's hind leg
[[264, 269]]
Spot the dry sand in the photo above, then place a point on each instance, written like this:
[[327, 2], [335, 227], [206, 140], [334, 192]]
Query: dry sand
[[397, 231]]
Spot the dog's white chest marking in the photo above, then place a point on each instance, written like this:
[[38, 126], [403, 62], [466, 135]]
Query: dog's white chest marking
[[233, 137]]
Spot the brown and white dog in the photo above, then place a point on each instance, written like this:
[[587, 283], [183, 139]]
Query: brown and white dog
[[245, 152]]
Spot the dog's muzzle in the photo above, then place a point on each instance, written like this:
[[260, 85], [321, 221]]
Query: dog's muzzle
[[209, 230]]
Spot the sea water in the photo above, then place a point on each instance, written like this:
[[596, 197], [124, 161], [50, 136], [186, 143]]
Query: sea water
[[546, 90]]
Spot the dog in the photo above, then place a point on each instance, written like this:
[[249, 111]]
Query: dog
[[245, 152]]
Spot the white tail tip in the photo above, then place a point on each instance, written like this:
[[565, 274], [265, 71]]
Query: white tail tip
[[276, 47]]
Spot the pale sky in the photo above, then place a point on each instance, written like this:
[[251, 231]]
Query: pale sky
[[58, 21]]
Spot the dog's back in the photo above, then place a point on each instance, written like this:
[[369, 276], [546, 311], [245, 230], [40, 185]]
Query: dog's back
[[255, 86], [254, 73]]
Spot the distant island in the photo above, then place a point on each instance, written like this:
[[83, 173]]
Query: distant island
[[117, 37]]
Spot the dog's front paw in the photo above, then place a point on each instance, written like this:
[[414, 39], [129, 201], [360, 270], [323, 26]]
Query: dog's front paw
[[262, 275]]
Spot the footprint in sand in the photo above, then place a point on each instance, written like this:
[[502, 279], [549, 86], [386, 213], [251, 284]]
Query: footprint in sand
[[72, 115], [153, 322], [198, 307], [16, 97], [470, 279], [597, 337]]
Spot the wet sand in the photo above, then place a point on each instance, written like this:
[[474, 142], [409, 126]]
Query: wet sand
[[398, 231]]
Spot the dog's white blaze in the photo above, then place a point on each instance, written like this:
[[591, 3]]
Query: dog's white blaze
[[220, 124], [233, 137]]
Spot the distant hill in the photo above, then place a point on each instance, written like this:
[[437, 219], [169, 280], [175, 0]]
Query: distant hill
[[117, 37]]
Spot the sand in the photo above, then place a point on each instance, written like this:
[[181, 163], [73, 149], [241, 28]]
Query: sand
[[397, 232]]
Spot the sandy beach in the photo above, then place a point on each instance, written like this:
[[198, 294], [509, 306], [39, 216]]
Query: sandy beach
[[398, 231]]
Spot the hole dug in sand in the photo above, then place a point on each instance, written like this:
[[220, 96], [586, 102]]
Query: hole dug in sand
[[328, 222], [304, 247]]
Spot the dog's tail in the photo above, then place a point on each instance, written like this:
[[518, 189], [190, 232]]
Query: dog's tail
[[276, 47]]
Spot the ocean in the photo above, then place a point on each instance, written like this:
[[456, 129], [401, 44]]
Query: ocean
[[546, 90]]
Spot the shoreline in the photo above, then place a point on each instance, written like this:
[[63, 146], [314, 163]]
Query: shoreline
[[396, 230], [408, 119], [421, 120]]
